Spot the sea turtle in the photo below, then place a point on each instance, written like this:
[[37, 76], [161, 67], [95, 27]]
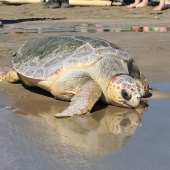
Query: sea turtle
[[79, 69]]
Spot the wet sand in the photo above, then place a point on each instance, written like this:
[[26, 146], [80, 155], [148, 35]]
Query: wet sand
[[110, 137], [118, 15]]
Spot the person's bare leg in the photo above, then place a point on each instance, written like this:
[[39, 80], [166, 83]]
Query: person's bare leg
[[162, 5], [144, 3], [134, 4]]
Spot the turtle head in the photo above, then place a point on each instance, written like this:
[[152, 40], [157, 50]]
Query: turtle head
[[124, 91]]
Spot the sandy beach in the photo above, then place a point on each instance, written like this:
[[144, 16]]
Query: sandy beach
[[30, 136], [140, 46]]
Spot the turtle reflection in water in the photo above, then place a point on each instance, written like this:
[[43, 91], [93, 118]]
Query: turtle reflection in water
[[89, 133], [81, 70]]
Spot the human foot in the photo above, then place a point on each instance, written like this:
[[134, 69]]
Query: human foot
[[142, 4], [134, 4], [162, 5]]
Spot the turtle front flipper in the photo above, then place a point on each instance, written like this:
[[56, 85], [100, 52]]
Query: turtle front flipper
[[84, 100], [11, 76]]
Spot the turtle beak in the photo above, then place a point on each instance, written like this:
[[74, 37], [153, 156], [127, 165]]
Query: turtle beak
[[135, 101]]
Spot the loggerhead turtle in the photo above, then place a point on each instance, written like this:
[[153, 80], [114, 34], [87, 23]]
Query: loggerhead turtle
[[79, 69]]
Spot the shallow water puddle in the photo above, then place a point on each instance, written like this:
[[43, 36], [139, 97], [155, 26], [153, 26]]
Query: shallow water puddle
[[31, 137], [90, 28]]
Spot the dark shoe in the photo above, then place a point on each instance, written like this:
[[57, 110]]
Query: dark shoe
[[167, 6], [52, 4], [118, 3], [65, 4]]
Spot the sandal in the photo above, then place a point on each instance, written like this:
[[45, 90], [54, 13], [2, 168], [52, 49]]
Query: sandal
[[118, 3]]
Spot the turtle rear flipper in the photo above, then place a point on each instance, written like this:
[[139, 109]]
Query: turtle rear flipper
[[83, 101], [10, 77]]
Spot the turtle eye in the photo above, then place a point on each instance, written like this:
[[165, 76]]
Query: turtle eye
[[125, 95]]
